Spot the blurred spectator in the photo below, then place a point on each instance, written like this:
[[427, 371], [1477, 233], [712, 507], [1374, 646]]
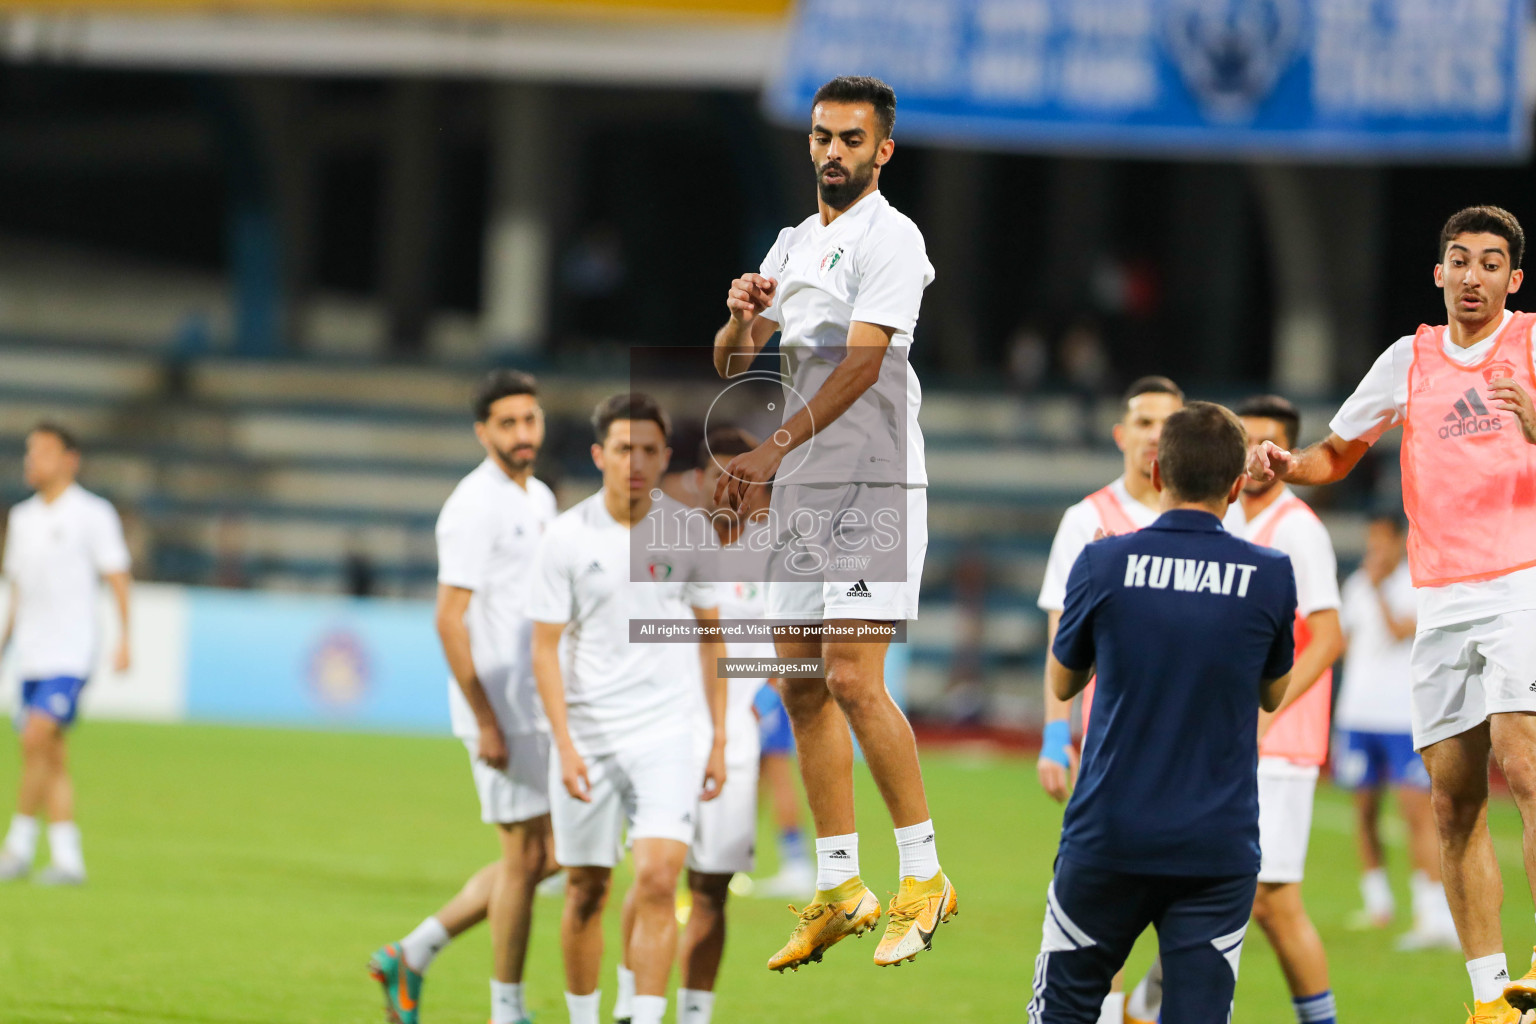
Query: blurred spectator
[[1029, 357], [1084, 366], [965, 696], [361, 580], [229, 568]]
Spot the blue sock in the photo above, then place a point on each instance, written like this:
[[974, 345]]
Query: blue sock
[[1316, 1009], [792, 846]]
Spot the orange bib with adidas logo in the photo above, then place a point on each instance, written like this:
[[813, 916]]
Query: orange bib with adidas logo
[[1469, 476]]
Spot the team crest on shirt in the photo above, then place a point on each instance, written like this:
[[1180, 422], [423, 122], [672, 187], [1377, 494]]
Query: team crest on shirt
[[831, 258], [1493, 371], [660, 571]]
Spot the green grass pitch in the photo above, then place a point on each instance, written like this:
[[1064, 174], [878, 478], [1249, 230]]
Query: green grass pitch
[[242, 876]]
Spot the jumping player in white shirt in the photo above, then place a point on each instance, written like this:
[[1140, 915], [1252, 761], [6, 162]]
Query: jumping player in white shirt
[[1462, 393], [1373, 736], [59, 545], [845, 285], [622, 714], [487, 535]]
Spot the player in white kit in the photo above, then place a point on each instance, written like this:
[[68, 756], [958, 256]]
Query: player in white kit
[[845, 286], [725, 836], [621, 712], [1373, 735], [487, 534], [59, 545]]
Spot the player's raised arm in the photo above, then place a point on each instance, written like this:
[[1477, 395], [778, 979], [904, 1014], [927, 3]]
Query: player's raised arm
[[711, 650], [1328, 461], [453, 633], [854, 375], [747, 330]]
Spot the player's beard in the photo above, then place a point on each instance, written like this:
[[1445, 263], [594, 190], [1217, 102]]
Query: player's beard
[[840, 195], [514, 462]]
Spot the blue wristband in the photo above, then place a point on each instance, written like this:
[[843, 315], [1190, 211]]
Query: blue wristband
[[1055, 740]]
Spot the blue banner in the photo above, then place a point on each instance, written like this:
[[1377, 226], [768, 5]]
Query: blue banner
[[1415, 79], [324, 662]]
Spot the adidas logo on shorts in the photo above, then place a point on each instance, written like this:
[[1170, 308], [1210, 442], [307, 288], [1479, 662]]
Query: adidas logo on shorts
[[859, 589]]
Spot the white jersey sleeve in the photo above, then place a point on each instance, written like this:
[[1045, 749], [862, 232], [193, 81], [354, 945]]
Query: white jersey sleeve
[[465, 533], [109, 550], [9, 566], [1075, 532], [773, 267], [1305, 539], [893, 269], [1380, 402], [551, 597]]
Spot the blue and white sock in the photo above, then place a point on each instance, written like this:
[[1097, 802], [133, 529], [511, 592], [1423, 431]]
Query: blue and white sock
[[1318, 1009], [792, 847]]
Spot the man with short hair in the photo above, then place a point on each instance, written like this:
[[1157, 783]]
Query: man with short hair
[[487, 534], [845, 285], [59, 545], [1462, 393], [623, 713], [1373, 735], [1190, 630]]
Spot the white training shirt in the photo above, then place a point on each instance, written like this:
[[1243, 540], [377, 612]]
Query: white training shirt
[[620, 694], [487, 535], [1078, 525], [870, 265], [1377, 681], [56, 554], [1305, 539], [1381, 403]]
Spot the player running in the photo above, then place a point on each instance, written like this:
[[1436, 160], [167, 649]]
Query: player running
[[1462, 393], [622, 713], [1373, 740], [487, 534], [845, 285], [59, 545], [1191, 632]]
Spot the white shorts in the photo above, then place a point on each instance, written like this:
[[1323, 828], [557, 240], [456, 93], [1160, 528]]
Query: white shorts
[[725, 839], [1466, 672], [653, 788], [1286, 790], [844, 590], [521, 791]]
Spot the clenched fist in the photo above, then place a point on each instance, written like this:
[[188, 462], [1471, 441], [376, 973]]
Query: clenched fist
[[750, 294]]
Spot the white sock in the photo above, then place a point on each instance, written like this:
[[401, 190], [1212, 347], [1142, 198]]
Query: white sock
[[21, 840], [1489, 975], [583, 1009], [695, 1006], [1146, 999], [1376, 891], [422, 945], [650, 1009], [1113, 1010], [916, 852], [64, 847], [507, 1002], [624, 1008], [837, 860]]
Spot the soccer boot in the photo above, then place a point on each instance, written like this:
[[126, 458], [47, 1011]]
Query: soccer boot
[[830, 917], [12, 867], [1521, 993], [54, 875], [1496, 1012], [916, 913], [402, 986]]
